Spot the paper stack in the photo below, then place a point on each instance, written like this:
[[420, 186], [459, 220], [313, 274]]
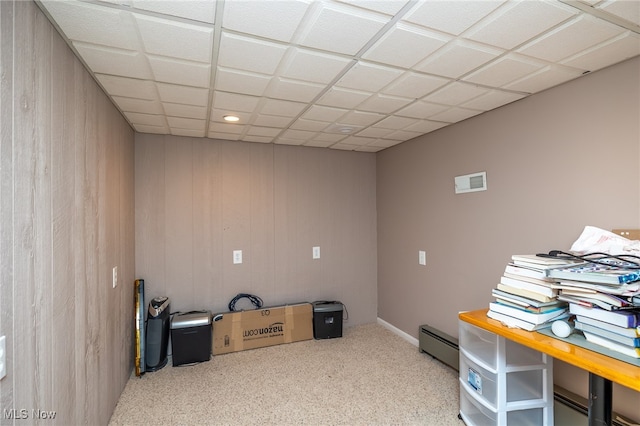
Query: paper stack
[[525, 297]]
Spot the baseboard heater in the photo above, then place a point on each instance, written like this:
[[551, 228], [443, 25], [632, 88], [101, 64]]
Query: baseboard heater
[[440, 346], [445, 348]]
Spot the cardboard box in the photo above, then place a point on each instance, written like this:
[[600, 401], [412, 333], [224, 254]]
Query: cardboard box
[[239, 331]]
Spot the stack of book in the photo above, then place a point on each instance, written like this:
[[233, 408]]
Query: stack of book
[[526, 297], [618, 331], [605, 302]]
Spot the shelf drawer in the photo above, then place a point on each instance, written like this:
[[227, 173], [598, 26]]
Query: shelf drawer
[[523, 385], [481, 343], [473, 412], [480, 380]]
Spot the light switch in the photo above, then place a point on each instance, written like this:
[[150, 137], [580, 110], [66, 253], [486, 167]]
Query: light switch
[[422, 257], [237, 257], [316, 252]]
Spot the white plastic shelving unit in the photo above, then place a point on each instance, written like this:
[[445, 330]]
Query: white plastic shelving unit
[[503, 382]]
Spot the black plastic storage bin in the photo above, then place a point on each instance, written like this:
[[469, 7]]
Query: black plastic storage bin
[[327, 319], [191, 338]]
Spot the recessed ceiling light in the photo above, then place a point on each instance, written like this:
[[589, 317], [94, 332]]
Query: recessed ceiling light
[[231, 118]]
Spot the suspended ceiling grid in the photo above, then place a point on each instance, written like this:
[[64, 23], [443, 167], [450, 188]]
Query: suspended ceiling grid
[[357, 75]]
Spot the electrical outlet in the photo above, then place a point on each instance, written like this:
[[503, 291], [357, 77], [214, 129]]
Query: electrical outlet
[[316, 253], [3, 357], [237, 257], [422, 257], [114, 276]]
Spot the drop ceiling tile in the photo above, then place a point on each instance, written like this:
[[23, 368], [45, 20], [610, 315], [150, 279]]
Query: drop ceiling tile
[[505, 70], [293, 90], [628, 10], [325, 28], [309, 65], [269, 132], [613, 51], [324, 113], [107, 60], [196, 10], [249, 54], [571, 38], [518, 21], [282, 108], [455, 93], [544, 79], [384, 104], [310, 125], [186, 111], [302, 135], [458, 58], [145, 119], [285, 141], [405, 45], [421, 109], [492, 99], [183, 94], [360, 118], [329, 137], [395, 122], [277, 20], [384, 143], [413, 85], [319, 143], [218, 115], [368, 77], [241, 82], [345, 146], [235, 102], [226, 128], [187, 132], [425, 126], [128, 87], [343, 98], [272, 121], [374, 132], [186, 123], [368, 148], [403, 135], [175, 39], [452, 17], [357, 140], [138, 105], [94, 24], [180, 72], [223, 136], [258, 139], [383, 6], [143, 128], [455, 114]]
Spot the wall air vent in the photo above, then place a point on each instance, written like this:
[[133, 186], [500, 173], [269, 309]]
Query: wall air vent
[[471, 183]]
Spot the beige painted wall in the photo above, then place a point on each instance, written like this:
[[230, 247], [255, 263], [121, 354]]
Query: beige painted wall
[[555, 162], [198, 200], [67, 217]]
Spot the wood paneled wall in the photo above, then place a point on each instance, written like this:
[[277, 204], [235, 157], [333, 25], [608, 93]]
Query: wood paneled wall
[[197, 200], [67, 218]]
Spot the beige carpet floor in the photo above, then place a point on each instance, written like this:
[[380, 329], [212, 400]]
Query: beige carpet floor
[[369, 376]]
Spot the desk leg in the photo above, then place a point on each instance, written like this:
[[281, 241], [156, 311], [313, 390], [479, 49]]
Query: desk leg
[[600, 393]]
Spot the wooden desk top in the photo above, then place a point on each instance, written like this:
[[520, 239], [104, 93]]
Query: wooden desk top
[[610, 368]]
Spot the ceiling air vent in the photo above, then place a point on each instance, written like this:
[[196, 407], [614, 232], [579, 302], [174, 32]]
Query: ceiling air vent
[[471, 183]]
